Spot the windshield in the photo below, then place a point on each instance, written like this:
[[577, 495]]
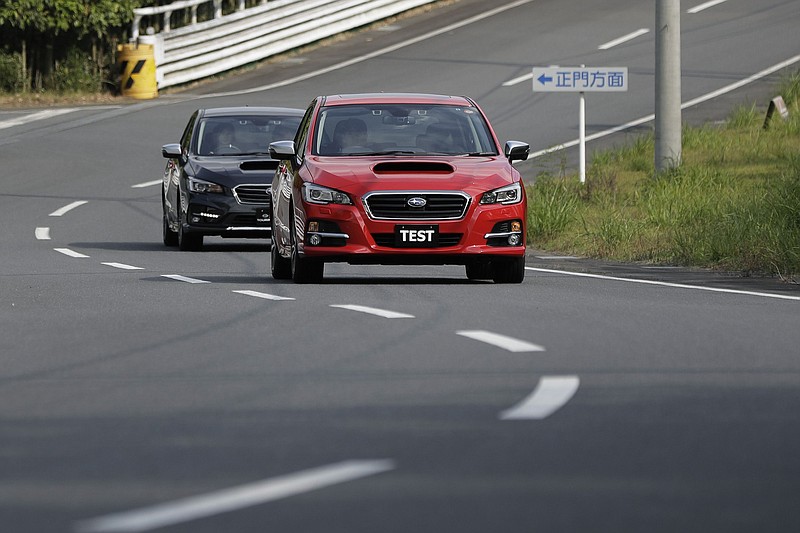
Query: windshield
[[402, 129], [236, 135]]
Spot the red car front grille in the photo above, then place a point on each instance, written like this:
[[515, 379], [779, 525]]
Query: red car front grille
[[437, 206]]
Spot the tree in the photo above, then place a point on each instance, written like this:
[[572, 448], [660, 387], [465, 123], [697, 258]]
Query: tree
[[45, 31]]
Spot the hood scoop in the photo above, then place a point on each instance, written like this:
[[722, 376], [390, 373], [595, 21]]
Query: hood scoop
[[427, 167], [269, 164]]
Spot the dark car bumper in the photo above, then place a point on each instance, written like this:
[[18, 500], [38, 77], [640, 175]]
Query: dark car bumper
[[225, 216]]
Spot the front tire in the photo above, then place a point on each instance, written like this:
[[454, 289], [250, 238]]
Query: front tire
[[509, 270], [303, 270], [189, 242], [479, 270], [169, 237], [280, 266]]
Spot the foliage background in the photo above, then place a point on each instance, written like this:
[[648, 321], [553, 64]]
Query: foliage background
[[70, 45]]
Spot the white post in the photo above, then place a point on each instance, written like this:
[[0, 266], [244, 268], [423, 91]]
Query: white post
[[582, 135]]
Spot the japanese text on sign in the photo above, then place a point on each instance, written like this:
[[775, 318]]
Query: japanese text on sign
[[580, 79]]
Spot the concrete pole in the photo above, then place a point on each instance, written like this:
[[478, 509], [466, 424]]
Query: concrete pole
[[668, 84]]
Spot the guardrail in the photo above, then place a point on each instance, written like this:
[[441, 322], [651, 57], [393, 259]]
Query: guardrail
[[247, 35]]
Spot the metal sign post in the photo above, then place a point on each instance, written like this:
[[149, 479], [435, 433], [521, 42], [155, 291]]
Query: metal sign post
[[581, 80]]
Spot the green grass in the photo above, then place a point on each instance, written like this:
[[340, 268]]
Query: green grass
[[733, 204]]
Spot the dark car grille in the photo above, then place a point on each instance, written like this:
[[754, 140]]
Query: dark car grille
[[252, 194], [438, 206], [445, 239]]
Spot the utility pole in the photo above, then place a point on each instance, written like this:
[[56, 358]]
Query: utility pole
[[668, 84]]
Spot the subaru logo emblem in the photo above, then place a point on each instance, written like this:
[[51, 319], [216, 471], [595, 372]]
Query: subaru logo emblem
[[417, 201]]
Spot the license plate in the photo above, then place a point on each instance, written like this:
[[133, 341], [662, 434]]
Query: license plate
[[262, 215], [416, 235]]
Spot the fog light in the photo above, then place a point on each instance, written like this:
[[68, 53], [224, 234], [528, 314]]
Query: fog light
[[315, 240], [516, 225], [515, 239]]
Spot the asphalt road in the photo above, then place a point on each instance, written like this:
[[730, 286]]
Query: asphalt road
[[146, 389]]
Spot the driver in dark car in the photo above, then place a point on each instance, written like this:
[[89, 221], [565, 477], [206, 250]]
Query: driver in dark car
[[224, 138]]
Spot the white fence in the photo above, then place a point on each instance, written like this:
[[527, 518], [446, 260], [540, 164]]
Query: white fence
[[225, 42]]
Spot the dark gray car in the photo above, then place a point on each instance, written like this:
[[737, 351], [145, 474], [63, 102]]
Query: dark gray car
[[217, 179]]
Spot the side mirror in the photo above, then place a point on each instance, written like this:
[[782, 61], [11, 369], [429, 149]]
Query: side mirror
[[516, 151], [282, 150], [172, 151]]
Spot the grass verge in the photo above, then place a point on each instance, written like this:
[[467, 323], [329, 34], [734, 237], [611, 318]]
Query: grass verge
[[733, 204]]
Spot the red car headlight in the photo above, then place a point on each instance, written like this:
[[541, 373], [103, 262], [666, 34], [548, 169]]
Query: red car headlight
[[508, 195], [317, 194]]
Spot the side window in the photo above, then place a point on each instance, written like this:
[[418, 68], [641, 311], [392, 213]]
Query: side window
[[186, 138], [302, 131]]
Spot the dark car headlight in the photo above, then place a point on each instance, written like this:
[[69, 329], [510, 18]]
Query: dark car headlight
[[317, 194], [200, 186], [508, 195]]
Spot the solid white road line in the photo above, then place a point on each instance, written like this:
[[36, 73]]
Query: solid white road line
[[507, 343], [227, 500], [68, 207], [43, 234], [122, 266], [552, 393], [178, 277], [263, 295], [377, 53], [41, 115], [374, 311], [71, 253], [703, 7], [666, 284], [147, 184], [623, 39]]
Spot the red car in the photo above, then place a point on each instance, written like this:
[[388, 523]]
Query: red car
[[397, 179]]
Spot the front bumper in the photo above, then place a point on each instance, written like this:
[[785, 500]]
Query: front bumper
[[344, 233], [224, 216]]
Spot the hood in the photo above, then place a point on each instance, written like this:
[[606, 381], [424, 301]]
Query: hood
[[359, 175], [231, 171]]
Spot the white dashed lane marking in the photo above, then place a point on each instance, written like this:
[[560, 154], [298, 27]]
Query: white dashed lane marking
[[703, 7], [231, 499], [69, 207], [501, 341], [374, 311], [71, 253], [123, 266], [43, 234], [624, 39], [263, 295], [185, 279], [552, 393]]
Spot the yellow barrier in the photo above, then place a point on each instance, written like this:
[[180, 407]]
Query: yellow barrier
[[137, 67]]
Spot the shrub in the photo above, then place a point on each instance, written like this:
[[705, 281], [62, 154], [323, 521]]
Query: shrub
[[77, 73], [12, 78]]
